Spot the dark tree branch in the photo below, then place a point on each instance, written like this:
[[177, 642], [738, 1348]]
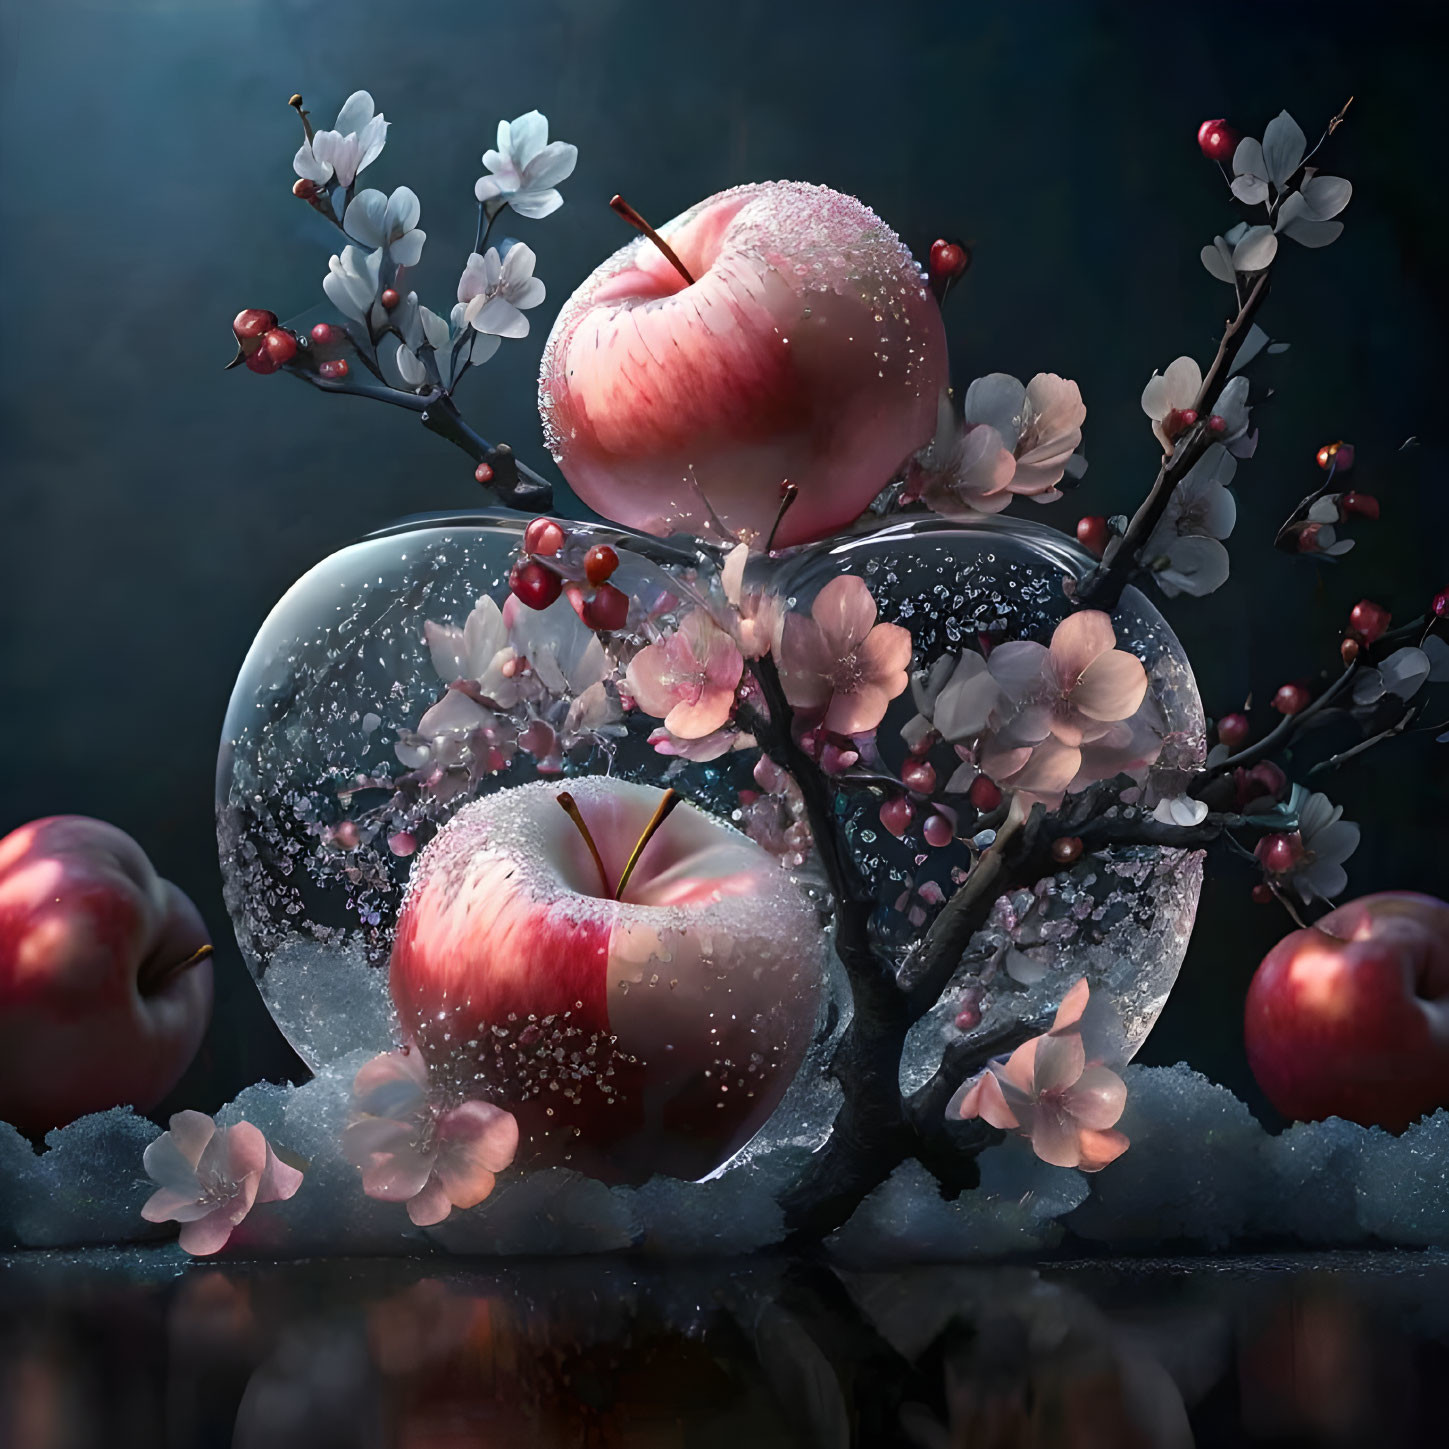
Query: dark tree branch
[[514, 484], [1102, 588]]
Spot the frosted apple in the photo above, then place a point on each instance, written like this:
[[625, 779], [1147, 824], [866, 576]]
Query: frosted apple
[[1350, 1017], [105, 985], [654, 1033], [807, 348]]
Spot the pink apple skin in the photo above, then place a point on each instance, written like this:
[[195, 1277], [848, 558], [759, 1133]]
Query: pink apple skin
[[1350, 1018], [809, 348], [97, 1008], [668, 1025]]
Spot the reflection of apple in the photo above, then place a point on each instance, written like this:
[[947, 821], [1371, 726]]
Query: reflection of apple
[[807, 348], [1350, 1017], [105, 985], [649, 1034]]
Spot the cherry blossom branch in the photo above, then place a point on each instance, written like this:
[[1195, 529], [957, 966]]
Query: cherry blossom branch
[[1102, 588], [514, 484], [1278, 737], [1399, 726]]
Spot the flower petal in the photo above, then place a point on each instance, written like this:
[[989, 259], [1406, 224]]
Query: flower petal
[[429, 1205], [1054, 1138], [1099, 1148], [1097, 1098], [1060, 1060], [1112, 686], [1078, 640]]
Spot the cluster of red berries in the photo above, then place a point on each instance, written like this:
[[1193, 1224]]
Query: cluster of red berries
[[536, 585], [264, 345], [919, 777], [1368, 622]]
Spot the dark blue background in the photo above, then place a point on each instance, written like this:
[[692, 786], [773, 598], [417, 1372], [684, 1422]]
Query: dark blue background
[[154, 508]]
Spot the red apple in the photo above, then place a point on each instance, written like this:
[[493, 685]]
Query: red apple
[[808, 348], [649, 1034], [104, 998], [1350, 1017]]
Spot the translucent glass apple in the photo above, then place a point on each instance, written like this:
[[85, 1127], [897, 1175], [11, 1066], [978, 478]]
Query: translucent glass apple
[[383, 696]]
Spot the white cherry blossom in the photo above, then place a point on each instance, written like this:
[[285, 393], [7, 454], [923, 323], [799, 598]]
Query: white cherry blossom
[[1184, 551], [350, 147], [1328, 840], [352, 281], [527, 167], [496, 291], [388, 222]]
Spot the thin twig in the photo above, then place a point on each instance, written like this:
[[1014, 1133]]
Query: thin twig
[[1397, 728]]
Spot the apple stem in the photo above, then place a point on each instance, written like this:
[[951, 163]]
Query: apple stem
[[670, 800], [571, 809], [159, 979], [635, 220], [789, 492]]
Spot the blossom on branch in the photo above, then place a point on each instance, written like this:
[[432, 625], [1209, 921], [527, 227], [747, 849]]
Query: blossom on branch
[[350, 147], [387, 222], [409, 1149], [1184, 551], [688, 679], [1055, 1091], [1262, 171], [352, 282], [211, 1177], [526, 167], [840, 662], [1013, 440], [496, 291], [1059, 701]]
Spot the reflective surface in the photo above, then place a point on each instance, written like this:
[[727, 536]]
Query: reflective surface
[[137, 1349]]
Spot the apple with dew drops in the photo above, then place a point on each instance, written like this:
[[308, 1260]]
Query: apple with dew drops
[[648, 1029], [805, 347]]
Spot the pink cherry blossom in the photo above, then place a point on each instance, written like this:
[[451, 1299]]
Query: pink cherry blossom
[[1012, 441], [1058, 701], [1052, 1093], [689, 678], [211, 1177], [710, 747], [410, 1149], [840, 662]]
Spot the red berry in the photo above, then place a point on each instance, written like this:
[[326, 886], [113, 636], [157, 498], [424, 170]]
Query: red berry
[[325, 333], [389, 298], [1263, 893], [1343, 458], [600, 563], [534, 585], [949, 260], [608, 609], [543, 536], [1439, 605], [262, 361], [1264, 779], [919, 775], [1093, 534], [280, 345], [483, 473], [1348, 650], [305, 188], [1369, 621], [1291, 699], [334, 368], [984, 794], [1217, 425], [254, 322], [1363, 504], [1233, 730], [924, 744], [1217, 139], [1178, 421], [938, 831], [1278, 854], [1066, 849], [895, 815]]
